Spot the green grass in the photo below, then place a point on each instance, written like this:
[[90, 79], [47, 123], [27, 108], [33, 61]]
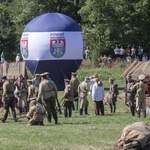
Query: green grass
[[76, 133]]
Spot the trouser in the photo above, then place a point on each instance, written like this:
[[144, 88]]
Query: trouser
[[98, 107], [68, 108], [140, 105], [76, 101], [112, 105], [22, 103], [131, 105], [84, 102], [9, 103], [50, 106]]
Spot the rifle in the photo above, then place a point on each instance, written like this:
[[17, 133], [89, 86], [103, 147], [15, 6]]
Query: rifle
[[59, 107], [21, 117]]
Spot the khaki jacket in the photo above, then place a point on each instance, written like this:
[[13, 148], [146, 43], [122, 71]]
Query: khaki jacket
[[31, 91], [8, 89], [140, 89], [47, 88], [35, 113], [68, 93], [75, 83], [83, 89]]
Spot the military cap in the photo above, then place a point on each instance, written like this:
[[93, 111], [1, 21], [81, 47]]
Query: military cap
[[73, 73], [111, 79], [46, 73], [42, 74], [4, 77], [141, 77], [95, 75], [30, 81], [37, 74]]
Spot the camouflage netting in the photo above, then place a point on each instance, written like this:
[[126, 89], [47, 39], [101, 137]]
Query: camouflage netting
[[12, 70], [135, 137], [137, 68]]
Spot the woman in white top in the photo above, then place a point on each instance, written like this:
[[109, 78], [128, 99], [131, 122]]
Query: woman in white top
[[98, 94]]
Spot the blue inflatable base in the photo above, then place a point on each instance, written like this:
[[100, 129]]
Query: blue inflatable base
[[58, 69]]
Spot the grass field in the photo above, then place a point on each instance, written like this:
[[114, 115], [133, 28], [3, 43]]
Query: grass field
[[76, 133]]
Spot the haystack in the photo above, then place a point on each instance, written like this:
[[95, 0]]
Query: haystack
[[137, 68]]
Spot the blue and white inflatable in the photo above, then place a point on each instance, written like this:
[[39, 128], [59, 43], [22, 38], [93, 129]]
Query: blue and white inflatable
[[53, 43]]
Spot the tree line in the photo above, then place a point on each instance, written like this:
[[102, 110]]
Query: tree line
[[105, 23]]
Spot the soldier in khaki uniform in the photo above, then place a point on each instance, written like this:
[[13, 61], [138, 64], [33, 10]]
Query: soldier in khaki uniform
[[83, 90], [130, 94], [35, 114], [31, 90], [68, 98], [8, 98], [140, 89], [113, 92], [75, 83], [36, 83], [47, 94]]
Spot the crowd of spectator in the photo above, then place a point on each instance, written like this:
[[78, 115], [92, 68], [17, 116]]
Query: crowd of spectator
[[130, 54]]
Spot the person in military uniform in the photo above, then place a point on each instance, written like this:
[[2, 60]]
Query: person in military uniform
[[31, 91], [130, 94], [113, 92], [83, 90], [75, 83], [36, 83], [140, 89], [36, 114], [8, 98], [47, 94], [68, 98]]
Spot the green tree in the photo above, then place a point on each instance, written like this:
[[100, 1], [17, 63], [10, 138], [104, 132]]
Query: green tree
[[7, 33]]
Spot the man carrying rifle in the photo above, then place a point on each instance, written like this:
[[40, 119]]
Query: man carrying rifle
[[75, 83], [8, 98], [47, 95], [68, 98]]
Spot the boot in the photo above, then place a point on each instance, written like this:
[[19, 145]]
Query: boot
[[49, 118], [65, 112], [81, 111], [114, 108], [70, 112], [138, 113], [14, 116], [144, 113], [76, 103], [55, 118], [132, 111], [20, 110], [110, 108], [41, 123], [86, 111]]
